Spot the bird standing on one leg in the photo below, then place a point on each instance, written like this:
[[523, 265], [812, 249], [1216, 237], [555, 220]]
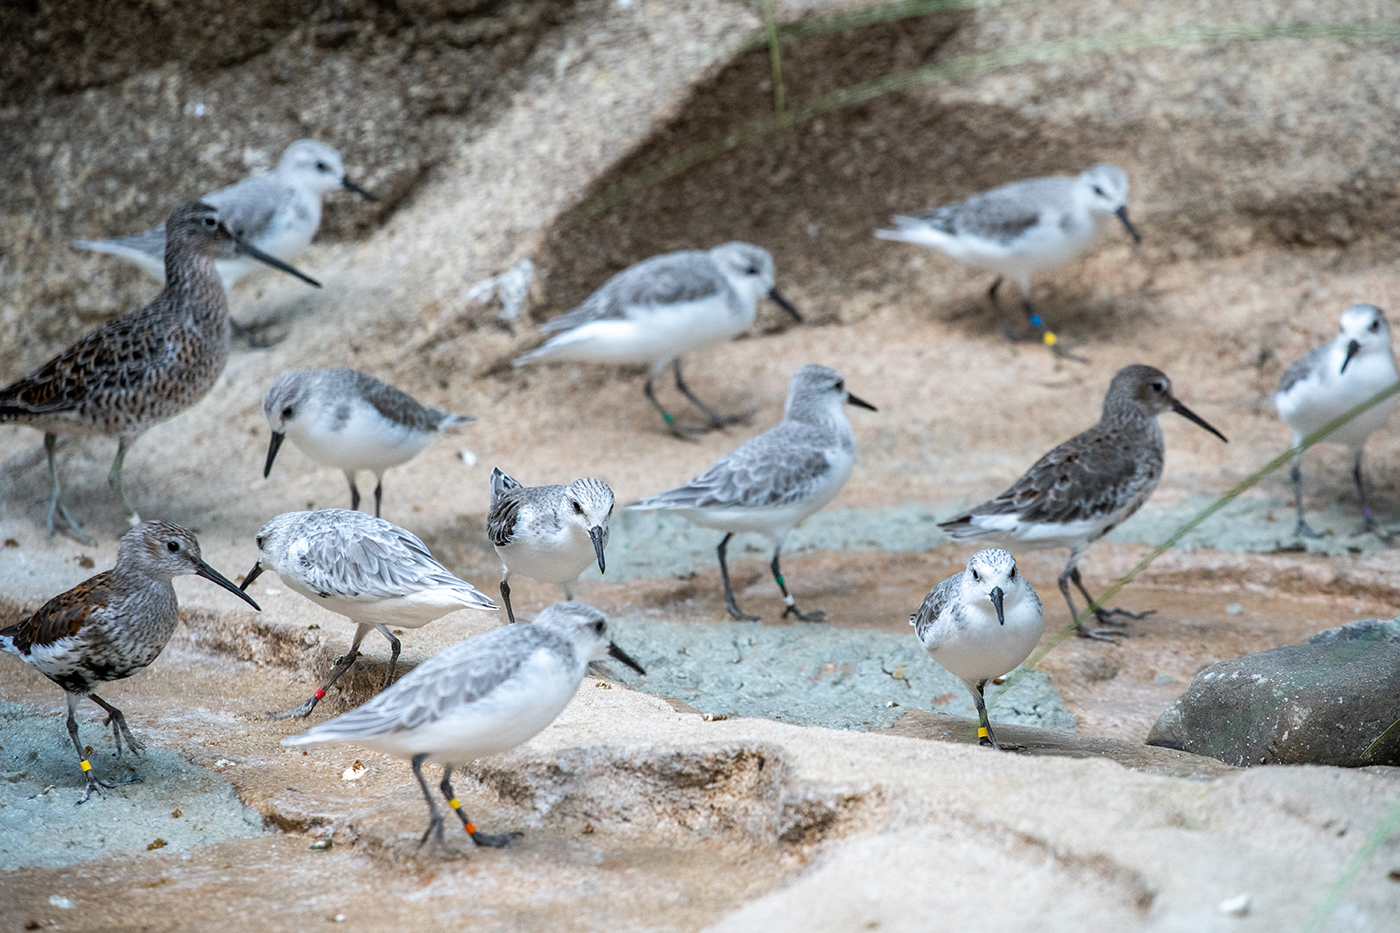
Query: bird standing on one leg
[[980, 624], [112, 625], [662, 308], [1087, 486], [548, 533], [1022, 228], [344, 419], [143, 368], [374, 573], [1330, 381], [776, 481], [480, 697]]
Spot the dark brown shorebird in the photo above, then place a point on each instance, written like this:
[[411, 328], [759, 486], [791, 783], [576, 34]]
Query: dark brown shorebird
[[1087, 486], [112, 625], [143, 368]]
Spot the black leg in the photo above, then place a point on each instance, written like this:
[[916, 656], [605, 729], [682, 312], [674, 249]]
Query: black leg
[[354, 491], [1366, 512], [666, 416], [729, 590], [814, 616], [378, 494], [1101, 615], [434, 829], [394, 646], [482, 839], [984, 724], [117, 721], [114, 480], [344, 665], [1295, 474], [94, 786], [1002, 319], [1080, 628], [57, 510], [716, 420], [505, 596]]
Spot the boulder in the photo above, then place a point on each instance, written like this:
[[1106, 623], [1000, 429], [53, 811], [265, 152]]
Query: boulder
[[1322, 702]]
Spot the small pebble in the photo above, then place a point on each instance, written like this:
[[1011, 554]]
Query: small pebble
[[321, 845], [1236, 906], [467, 456], [355, 771], [61, 902], [1234, 609], [1164, 679]]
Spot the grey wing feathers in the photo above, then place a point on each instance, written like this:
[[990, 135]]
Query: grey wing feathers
[[502, 483], [397, 405], [672, 278], [938, 599], [462, 674], [500, 521], [779, 467], [379, 565], [1302, 368]]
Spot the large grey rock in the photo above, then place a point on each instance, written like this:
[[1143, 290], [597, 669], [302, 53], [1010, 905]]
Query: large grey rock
[[1323, 702]]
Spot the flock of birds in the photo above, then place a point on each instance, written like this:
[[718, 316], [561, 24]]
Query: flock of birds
[[496, 690]]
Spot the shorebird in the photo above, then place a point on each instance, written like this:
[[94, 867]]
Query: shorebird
[[374, 573], [980, 624], [142, 368], [112, 625], [480, 697], [548, 533], [344, 419], [662, 308], [774, 482], [1087, 486], [1022, 228], [278, 212], [1331, 380]]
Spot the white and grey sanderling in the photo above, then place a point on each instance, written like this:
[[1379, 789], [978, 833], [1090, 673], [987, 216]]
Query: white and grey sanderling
[[374, 573], [278, 212], [112, 625], [663, 308], [548, 533], [344, 419], [775, 481], [980, 624], [1087, 486], [1330, 381], [142, 368], [1022, 228], [480, 697]]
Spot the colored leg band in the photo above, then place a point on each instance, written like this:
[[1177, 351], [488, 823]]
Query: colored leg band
[[1366, 513], [1035, 320], [319, 694], [1050, 338], [981, 732], [455, 804], [470, 828], [779, 578], [668, 417], [86, 765]]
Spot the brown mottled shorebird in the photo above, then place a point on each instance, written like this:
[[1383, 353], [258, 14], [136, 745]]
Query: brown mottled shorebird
[[112, 625], [346, 419], [1087, 486], [143, 368]]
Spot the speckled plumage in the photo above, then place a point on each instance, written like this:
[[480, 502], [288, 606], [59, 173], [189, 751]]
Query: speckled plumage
[[113, 624], [142, 368], [1087, 486]]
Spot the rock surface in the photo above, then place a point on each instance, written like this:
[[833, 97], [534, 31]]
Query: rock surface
[[1324, 702]]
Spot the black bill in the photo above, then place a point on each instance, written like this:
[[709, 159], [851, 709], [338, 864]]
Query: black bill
[[784, 303], [1190, 415], [248, 249], [859, 402], [277, 438], [213, 576], [596, 533], [349, 185], [1353, 348], [252, 575], [996, 596], [615, 652], [1122, 214]]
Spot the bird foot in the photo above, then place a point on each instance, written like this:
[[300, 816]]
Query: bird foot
[[739, 616], [434, 832], [719, 422], [301, 712], [498, 841], [68, 525], [1110, 616], [94, 786], [1099, 634], [816, 615], [1304, 530]]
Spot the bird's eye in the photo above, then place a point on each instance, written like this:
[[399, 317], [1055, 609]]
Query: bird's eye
[[598, 626], [1012, 574], [1159, 386], [1099, 191], [322, 167], [172, 546], [287, 412], [259, 540], [211, 222], [751, 270], [1375, 326], [840, 385], [977, 577], [578, 509]]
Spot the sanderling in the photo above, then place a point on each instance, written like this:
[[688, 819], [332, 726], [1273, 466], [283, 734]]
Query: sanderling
[[1087, 486], [112, 625], [276, 211], [662, 308], [142, 368], [980, 624], [548, 533], [344, 419], [1332, 379], [775, 481], [1021, 228], [374, 573], [480, 697]]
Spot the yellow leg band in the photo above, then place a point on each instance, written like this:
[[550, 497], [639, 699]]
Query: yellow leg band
[[1049, 338], [86, 765], [981, 732], [455, 804]]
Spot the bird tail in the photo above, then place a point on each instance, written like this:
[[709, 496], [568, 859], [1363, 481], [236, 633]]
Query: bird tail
[[911, 230], [146, 250], [450, 420], [501, 483], [962, 527]]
